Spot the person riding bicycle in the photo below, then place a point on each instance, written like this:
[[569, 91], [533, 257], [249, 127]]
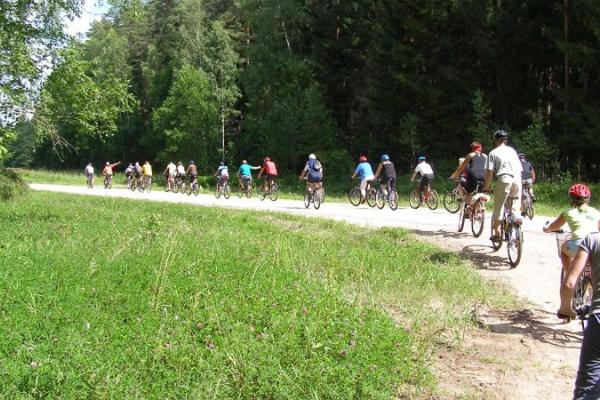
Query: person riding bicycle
[[474, 166], [170, 173], [389, 173], [89, 173], [244, 174], [426, 172], [581, 219], [147, 174], [129, 172], [107, 172], [222, 174], [180, 170], [138, 170], [313, 172], [503, 163], [528, 175], [270, 170], [587, 384], [365, 173], [192, 172]]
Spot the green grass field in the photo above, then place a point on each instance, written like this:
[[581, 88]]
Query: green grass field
[[108, 298]]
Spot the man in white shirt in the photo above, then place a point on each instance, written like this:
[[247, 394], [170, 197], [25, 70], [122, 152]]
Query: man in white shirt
[[426, 173], [503, 163]]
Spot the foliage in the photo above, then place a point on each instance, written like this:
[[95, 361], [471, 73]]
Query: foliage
[[22, 150], [11, 185]]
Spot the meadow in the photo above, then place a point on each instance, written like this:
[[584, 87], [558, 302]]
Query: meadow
[[111, 298]]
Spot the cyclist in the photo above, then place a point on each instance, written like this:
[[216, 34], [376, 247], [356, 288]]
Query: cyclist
[[192, 172], [180, 170], [89, 173], [528, 174], [587, 384], [138, 171], [270, 170], [222, 174], [474, 166], [169, 173], [244, 174], [129, 172], [582, 220], [389, 173], [313, 172], [503, 163], [365, 172], [108, 171], [147, 174], [426, 172]]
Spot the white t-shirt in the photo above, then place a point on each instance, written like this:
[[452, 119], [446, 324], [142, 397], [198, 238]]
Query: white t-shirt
[[424, 169], [503, 160], [89, 170], [171, 168], [180, 170]]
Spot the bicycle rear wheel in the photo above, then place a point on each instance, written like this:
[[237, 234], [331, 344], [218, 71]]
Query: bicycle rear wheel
[[196, 189], [226, 191], [496, 244], [477, 218], [461, 217], [432, 201], [306, 199], [274, 192], [371, 197], [218, 191], [354, 196], [318, 198], [380, 198], [515, 244], [583, 298], [393, 199], [452, 201], [414, 200], [528, 205]]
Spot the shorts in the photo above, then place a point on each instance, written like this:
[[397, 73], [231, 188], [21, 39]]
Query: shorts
[[572, 246], [223, 179], [314, 179], [473, 182], [425, 179], [246, 179], [193, 177], [270, 178], [389, 182]]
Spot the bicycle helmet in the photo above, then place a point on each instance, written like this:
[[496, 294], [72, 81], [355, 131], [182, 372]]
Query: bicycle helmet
[[421, 158], [522, 155], [192, 162], [385, 157], [244, 162], [107, 163], [222, 163], [580, 191], [312, 157], [476, 146], [362, 158], [500, 134], [267, 159]]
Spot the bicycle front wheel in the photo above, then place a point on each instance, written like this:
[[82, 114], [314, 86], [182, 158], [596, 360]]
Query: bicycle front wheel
[[452, 201], [354, 196], [515, 244], [380, 198], [414, 199], [477, 218]]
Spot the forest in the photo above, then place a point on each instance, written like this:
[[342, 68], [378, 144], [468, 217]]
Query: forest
[[207, 80]]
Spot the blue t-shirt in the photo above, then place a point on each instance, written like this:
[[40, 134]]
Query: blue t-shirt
[[245, 170], [364, 170]]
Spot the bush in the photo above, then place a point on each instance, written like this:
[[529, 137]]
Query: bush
[[11, 185]]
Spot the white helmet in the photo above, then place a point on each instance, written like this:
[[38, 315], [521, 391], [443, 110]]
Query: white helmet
[[312, 157]]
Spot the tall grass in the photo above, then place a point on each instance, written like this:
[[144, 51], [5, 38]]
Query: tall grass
[[107, 298], [11, 185]]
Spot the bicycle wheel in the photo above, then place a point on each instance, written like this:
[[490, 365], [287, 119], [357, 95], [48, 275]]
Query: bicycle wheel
[[515, 244], [528, 205], [240, 192], [393, 199], [371, 197], [196, 189], [274, 192], [432, 201], [218, 191], [248, 191], [148, 186], [106, 183], [414, 200], [452, 201], [583, 298], [461, 217], [226, 191], [306, 199], [354, 196], [477, 218], [496, 244], [379, 199], [318, 198]]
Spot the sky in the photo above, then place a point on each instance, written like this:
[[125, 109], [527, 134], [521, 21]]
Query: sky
[[92, 11]]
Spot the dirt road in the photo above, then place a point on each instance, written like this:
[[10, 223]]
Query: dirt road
[[522, 354]]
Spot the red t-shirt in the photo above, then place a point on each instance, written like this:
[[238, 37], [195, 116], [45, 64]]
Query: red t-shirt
[[270, 168]]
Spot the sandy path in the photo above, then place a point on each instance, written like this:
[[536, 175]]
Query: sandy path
[[549, 348]]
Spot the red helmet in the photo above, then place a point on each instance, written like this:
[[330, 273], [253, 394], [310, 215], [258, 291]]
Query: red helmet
[[362, 158], [580, 191]]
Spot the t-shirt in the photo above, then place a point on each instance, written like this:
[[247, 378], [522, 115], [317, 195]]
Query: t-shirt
[[171, 168], [389, 171], [314, 170], [527, 170], [424, 169], [245, 170], [89, 170], [222, 171], [476, 166], [147, 170], [503, 160], [582, 221], [180, 170], [129, 170], [591, 245], [364, 170], [270, 168]]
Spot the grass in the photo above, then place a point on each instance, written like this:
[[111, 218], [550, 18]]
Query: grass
[[110, 298], [11, 185]]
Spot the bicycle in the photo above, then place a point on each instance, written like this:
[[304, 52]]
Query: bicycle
[[107, 181], [222, 188], [314, 194], [90, 181], [356, 199], [269, 188], [511, 233], [193, 187], [386, 194], [245, 188], [429, 197], [146, 184], [135, 184], [170, 183], [179, 184], [453, 199], [526, 201], [475, 211]]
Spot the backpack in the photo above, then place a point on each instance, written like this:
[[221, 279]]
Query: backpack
[[314, 170]]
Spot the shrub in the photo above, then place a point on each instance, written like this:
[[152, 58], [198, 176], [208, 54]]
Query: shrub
[[11, 185]]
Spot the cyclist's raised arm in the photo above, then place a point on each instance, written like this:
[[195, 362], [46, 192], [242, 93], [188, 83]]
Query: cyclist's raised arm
[[556, 224]]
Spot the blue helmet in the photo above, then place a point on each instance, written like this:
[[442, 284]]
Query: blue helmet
[[421, 158], [385, 157], [222, 163]]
